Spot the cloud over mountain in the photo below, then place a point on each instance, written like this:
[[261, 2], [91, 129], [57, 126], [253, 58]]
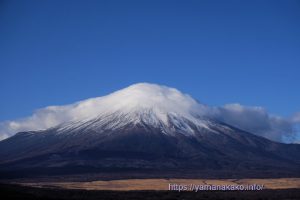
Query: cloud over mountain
[[258, 121], [296, 118], [252, 119]]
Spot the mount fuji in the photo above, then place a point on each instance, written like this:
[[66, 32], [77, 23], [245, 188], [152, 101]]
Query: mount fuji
[[146, 128]]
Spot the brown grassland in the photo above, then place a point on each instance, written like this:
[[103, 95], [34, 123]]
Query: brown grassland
[[163, 184]]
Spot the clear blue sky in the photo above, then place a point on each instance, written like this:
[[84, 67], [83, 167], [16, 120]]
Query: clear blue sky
[[59, 52]]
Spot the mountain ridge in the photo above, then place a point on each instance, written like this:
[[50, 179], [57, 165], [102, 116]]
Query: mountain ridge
[[145, 132]]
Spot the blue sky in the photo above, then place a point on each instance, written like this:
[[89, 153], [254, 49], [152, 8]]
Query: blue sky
[[59, 52]]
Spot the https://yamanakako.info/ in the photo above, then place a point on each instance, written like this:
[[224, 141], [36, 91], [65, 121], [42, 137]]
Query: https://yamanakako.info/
[[206, 187]]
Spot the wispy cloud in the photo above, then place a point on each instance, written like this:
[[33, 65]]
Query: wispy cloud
[[257, 120], [296, 118]]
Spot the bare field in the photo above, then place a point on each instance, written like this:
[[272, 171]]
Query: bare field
[[163, 184]]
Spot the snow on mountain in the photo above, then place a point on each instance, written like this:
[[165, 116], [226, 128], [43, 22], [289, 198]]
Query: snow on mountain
[[156, 106]]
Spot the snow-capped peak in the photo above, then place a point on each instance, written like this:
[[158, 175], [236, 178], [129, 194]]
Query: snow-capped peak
[[155, 105]]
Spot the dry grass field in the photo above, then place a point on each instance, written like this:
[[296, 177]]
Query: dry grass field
[[18, 192], [163, 184]]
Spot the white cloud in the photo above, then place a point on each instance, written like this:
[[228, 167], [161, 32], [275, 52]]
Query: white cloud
[[41, 119], [258, 121], [296, 118]]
